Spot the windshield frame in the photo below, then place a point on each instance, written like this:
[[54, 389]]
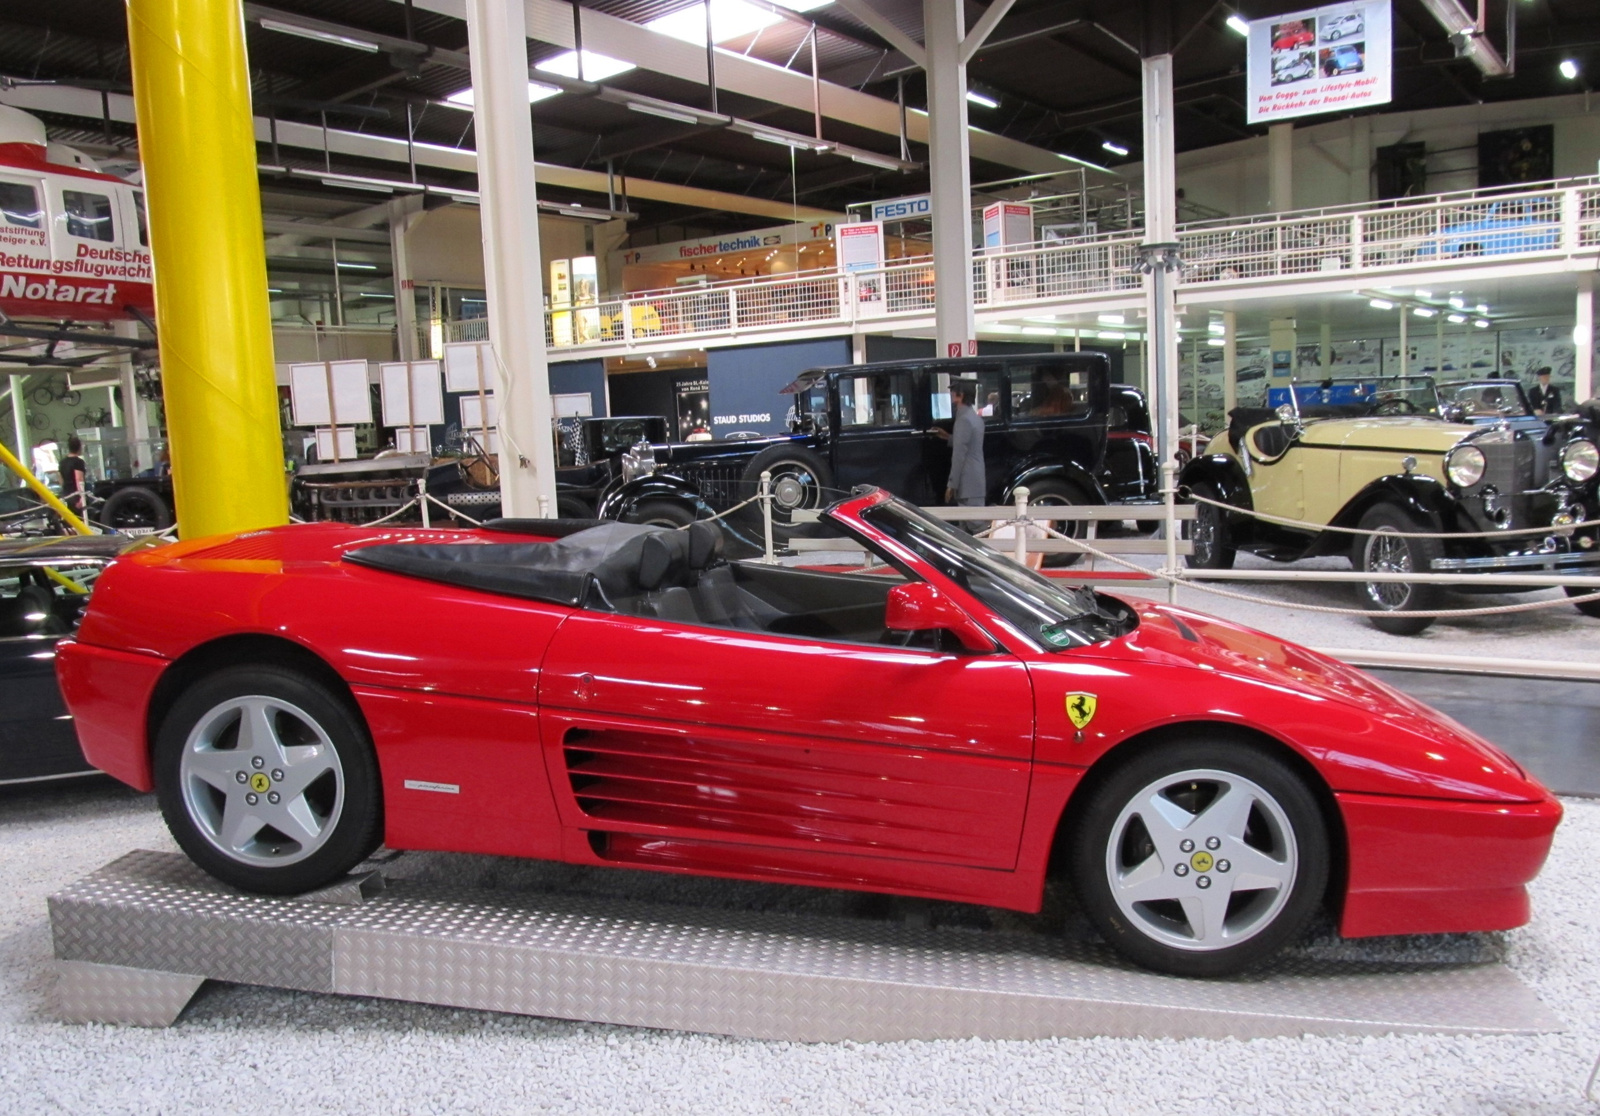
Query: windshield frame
[[1488, 382], [1003, 618], [1381, 385]]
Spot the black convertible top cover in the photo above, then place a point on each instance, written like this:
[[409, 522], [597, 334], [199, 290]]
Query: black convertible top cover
[[592, 568]]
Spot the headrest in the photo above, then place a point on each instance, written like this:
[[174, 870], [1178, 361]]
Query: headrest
[[705, 545], [663, 560], [26, 613]]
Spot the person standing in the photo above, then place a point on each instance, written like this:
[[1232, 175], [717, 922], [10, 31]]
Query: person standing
[[966, 486], [1545, 397], [74, 476]]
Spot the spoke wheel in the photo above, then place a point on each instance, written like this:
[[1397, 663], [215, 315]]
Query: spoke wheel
[[1389, 551], [1202, 858], [267, 780], [1209, 533], [1059, 494]]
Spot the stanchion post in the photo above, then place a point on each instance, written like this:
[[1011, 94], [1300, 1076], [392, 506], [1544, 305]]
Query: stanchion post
[[544, 506], [770, 557], [1169, 492], [422, 499], [1020, 551]]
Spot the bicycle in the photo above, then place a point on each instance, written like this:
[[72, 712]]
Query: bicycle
[[94, 416], [55, 390]]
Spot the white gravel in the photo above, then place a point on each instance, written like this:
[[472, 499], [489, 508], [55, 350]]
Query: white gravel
[[249, 1050]]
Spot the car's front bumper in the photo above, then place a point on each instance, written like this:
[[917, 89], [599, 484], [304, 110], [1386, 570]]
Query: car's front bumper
[[1430, 866], [1538, 560]]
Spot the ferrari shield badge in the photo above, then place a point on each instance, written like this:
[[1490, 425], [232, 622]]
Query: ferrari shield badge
[[1080, 709]]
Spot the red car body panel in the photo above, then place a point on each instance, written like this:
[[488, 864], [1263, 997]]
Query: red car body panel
[[514, 727]]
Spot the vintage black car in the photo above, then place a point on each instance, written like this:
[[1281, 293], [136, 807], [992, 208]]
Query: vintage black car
[[38, 609], [133, 504], [1045, 420]]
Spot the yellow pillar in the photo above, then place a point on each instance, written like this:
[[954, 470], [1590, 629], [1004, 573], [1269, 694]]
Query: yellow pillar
[[192, 94]]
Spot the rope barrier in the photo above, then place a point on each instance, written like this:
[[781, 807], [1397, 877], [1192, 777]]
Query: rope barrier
[[1287, 522], [1173, 579]]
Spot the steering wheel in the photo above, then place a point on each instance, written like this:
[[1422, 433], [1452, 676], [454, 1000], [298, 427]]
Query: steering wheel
[[1395, 407]]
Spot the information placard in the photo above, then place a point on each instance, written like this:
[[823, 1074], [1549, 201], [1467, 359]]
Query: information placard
[[412, 392], [1330, 59], [327, 393]]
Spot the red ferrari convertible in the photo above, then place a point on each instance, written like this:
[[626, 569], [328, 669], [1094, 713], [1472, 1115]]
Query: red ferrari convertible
[[931, 720]]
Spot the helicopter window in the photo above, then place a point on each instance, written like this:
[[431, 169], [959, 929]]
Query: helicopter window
[[88, 215], [19, 205], [144, 227]]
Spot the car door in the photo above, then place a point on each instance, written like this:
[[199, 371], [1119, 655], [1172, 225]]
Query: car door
[[1277, 466], [878, 431], [789, 743]]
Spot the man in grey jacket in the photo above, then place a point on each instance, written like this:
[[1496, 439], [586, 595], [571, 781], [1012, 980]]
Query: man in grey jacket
[[966, 485]]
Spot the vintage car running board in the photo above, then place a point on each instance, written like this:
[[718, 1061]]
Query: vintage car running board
[[137, 938]]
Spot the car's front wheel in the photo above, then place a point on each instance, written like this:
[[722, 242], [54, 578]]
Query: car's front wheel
[[267, 779], [661, 513], [1210, 538], [1588, 608], [136, 509], [1392, 549], [1060, 494], [1202, 857]]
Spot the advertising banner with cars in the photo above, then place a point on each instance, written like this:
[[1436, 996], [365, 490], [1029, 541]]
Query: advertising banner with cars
[[1329, 59]]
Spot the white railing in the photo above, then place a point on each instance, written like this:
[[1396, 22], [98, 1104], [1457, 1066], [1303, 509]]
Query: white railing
[[1548, 222]]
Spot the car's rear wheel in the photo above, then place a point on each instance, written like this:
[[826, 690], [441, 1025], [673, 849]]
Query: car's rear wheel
[[800, 480], [661, 513], [1060, 494], [1208, 533], [1202, 857], [1390, 551], [136, 509], [1588, 608], [267, 779]]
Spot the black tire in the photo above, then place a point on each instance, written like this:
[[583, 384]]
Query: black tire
[[661, 513], [136, 507], [1375, 553], [1055, 494], [1282, 836], [1588, 608], [574, 507], [1210, 533], [337, 793], [800, 480]]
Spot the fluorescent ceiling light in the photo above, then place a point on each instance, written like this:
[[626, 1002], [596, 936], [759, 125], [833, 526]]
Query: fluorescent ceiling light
[[1381, 304], [1569, 69], [357, 266], [884, 162], [274, 290], [1237, 23], [596, 67], [1456, 319], [537, 91], [1216, 327], [320, 36], [1481, 323], [665, 114], [979, 99], [1215, 342], [1483, 307], [356, 184], [375, 294], [1110, 319], [1111, 335], [1114, 148], [1048, 319], [1424, 294], [791, 141], [1424, 311], [1004, 328], [1457, 302]]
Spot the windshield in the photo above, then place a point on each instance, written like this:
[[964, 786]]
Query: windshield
[[1361, 397], [1053, 614], [1487, 398]]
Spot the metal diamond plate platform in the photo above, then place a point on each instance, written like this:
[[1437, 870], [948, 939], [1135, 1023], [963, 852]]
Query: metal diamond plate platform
[[747, 973]]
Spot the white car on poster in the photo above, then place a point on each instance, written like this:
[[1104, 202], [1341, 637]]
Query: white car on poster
[[1342, 27]]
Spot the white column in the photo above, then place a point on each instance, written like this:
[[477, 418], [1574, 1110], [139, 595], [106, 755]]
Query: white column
[[1360, 158], [1230, 361], [135, 411], [950, 173], [497, 37], [19, 419], [1161, 228], [402, 215], [1583, 342], [1280, 167]]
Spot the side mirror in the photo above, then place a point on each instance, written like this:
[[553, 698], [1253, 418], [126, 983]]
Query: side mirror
[[919, 607]]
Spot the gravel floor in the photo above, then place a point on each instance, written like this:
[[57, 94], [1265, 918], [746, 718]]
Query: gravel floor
[[247, 1050]]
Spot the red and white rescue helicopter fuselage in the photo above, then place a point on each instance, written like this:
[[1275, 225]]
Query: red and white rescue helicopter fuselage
[[74, 244]]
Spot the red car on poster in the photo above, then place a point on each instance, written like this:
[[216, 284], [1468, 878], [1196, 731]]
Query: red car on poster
[[935, 722], [1292, 35]]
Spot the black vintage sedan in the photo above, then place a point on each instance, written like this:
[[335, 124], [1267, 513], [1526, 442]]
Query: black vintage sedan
[[39, 604], [1046, 419]]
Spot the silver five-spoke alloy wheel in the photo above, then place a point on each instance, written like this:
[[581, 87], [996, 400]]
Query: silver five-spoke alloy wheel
[[261, 781], [1201, 860]]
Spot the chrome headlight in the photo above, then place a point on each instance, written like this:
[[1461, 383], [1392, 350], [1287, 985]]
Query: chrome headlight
[[1580, 460], [1464, 465], [639, 461]]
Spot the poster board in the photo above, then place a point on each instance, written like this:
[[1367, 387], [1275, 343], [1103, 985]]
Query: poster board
[[411, 393], [473, 408], [859, 248], [1335, 58], [311, 384], [325, 443], [412, 439], [468, 366]]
